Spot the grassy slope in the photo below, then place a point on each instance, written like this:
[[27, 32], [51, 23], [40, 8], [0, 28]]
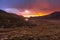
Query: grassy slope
[[46, 29]]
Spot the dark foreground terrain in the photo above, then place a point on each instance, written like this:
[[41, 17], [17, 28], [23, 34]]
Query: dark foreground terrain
[[14, 27], [45, 30]]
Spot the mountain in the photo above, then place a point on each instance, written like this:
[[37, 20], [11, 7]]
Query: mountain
[[54, 15], [11, 20]]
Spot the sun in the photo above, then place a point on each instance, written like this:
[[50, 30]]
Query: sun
[[27, 11]]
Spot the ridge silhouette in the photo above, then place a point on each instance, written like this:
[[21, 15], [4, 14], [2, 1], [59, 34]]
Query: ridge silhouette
[[11, 20]]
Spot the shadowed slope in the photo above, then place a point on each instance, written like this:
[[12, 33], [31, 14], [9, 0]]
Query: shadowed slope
[[11, 20], [54, 15]]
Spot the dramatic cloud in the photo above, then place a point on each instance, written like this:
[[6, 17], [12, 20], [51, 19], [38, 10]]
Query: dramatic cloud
[[45, 6]]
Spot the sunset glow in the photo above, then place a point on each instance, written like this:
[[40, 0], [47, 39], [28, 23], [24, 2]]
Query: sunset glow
[[35, 15], [26, 13], [29, 8]]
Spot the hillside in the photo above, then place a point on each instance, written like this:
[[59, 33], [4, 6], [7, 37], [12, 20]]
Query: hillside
[[52, 16], [11, 20], [45, 29]]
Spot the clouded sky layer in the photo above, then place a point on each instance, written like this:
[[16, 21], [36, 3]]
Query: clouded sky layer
[[37, 5]]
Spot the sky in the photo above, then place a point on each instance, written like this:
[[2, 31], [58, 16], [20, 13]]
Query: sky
[[35, 6]]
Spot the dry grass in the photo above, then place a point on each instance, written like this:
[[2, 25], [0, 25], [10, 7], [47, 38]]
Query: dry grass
[[45, 30]]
